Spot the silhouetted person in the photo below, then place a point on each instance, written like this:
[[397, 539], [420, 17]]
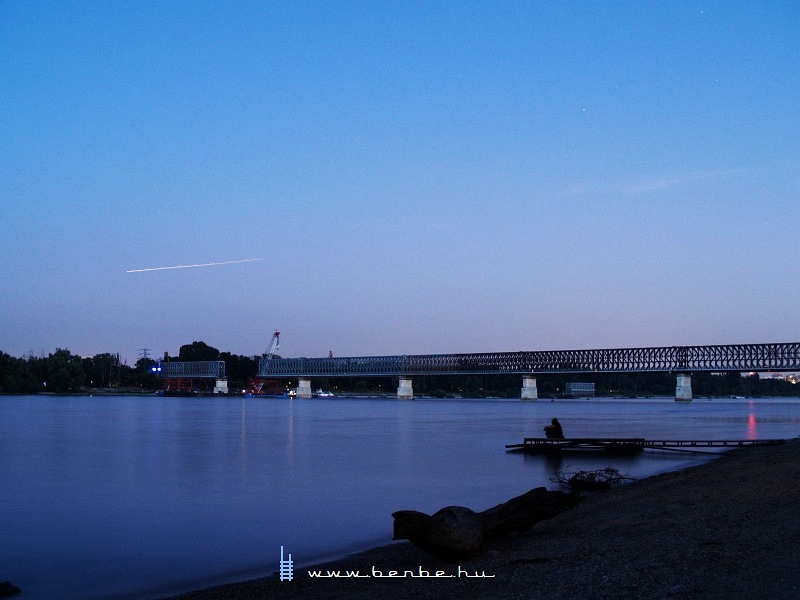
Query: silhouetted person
[[554, 429]]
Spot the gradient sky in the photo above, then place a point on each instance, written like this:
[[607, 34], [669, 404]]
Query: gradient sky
[[419, 177]]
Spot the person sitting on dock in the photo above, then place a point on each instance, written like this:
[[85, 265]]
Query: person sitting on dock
[[554, 429]]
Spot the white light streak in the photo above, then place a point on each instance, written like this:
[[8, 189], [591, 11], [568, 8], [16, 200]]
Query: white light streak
[[211, 264]]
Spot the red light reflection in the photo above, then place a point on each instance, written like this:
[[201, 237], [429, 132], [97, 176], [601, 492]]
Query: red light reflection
[[752, 431]]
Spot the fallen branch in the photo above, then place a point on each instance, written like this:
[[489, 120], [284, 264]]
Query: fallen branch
[[600, 479], [456, 532]]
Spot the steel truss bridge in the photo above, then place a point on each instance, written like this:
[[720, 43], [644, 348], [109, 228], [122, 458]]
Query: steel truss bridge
[[198, 369], [671, 359]]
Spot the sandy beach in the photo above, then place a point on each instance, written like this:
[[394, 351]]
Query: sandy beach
[[729, 528]]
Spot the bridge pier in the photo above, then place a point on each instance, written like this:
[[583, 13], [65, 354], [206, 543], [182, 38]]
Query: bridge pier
[[304, 388], [405, 389], [529, 389], [683, 388]]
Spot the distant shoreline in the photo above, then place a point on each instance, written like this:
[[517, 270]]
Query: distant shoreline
[[385, 396]]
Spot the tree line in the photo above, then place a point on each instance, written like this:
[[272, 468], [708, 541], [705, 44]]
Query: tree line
[[64, 372]]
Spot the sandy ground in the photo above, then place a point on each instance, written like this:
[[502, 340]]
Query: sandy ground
[[726, 529]]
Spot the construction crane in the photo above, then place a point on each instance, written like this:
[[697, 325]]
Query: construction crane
[[275, 345], [257, 386]]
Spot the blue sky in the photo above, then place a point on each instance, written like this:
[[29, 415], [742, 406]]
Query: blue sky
[[419, 177]]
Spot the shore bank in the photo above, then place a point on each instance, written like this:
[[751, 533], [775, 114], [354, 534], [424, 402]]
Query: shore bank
[[724, 529]]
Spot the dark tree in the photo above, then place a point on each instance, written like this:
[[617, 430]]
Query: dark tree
[[64, 372], [16, 376], [198, 351]]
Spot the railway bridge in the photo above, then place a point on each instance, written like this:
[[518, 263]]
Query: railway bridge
[[679, 360], [192, 376]]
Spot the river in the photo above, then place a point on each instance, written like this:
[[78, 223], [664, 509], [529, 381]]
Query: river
[[142, 496]]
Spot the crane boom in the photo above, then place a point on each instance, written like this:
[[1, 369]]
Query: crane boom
[[275, 345]]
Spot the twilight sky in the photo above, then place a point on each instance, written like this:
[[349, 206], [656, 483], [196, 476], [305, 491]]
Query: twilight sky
[[418, 177]]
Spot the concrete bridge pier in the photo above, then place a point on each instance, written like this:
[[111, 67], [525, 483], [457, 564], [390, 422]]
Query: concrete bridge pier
[[529, 390], [683, 388], [304, 388], [405, 389]]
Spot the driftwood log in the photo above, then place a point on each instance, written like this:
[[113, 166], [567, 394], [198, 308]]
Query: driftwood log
[[456, 532]]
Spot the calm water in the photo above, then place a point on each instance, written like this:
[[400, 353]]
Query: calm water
[[106, 497]]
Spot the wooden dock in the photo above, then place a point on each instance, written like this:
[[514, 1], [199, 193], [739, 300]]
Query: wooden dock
[[626, 445]]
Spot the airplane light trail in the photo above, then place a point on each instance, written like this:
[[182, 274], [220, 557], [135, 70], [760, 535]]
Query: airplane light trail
[[211, 264]]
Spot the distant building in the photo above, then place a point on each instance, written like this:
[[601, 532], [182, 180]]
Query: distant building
[[580, 390]]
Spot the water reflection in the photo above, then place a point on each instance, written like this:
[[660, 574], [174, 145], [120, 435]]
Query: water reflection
[[752, 431], [243, 441], [290, 437]]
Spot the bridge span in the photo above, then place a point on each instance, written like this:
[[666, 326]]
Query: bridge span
[[680, 360]]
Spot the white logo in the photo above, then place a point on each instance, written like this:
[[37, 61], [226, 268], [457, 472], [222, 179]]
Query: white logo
[[286, 571]]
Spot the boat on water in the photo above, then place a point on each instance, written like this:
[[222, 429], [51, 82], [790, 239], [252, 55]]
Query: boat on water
[[320, 394]]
